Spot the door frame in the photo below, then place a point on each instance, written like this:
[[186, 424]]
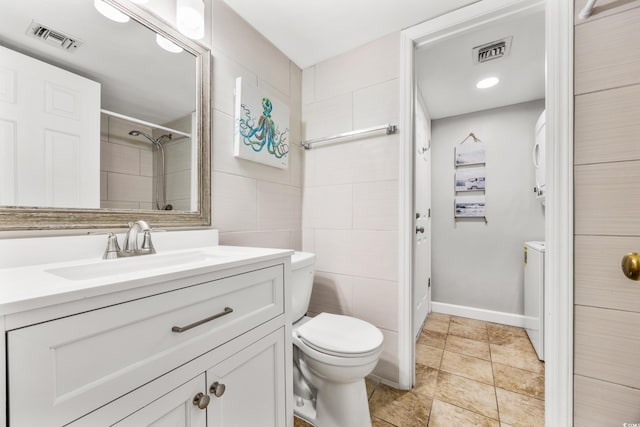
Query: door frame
[[559, 199]]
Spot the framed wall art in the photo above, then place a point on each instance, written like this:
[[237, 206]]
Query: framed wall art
[[471, 179], [470, 152], [470, 207], [261, 127]]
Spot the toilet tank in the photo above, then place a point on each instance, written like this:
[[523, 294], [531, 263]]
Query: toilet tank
[[302, 266]]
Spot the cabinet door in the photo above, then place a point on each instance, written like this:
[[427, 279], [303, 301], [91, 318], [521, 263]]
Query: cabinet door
[[254, 386], [174, 409]]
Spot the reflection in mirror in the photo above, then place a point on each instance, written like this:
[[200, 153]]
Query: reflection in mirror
[[94, 113], [147, 167]]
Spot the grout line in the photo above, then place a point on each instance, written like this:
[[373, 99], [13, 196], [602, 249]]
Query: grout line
[[520, 394]]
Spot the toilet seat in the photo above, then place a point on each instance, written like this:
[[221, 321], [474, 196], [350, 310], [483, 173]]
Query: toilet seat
[[340, 336]]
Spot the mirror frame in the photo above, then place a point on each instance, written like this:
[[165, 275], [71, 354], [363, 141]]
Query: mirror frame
[[16, 218]]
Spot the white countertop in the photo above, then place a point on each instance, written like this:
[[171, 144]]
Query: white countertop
[[28, 287]]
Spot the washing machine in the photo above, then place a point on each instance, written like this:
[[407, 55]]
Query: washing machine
[[534, 254]]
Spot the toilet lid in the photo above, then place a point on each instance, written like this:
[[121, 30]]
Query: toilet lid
[[332, 333]]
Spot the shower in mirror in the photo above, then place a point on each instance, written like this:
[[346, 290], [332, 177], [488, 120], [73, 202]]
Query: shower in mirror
[[160, 181]]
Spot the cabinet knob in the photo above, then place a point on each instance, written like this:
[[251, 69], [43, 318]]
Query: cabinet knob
[[217, 389], [631, 266], [201, 400]]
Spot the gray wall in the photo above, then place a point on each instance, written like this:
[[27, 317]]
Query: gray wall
[[476, 264]]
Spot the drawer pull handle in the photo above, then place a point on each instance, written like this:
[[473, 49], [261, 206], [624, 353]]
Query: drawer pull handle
[[227, 310], [217, 389], [201, 400]]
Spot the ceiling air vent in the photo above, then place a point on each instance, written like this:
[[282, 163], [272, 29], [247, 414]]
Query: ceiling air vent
[[490, 51], [53, 37]]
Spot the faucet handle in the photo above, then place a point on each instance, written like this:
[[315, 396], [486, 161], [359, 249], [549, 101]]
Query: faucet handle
[[147, 244], [112, 247]]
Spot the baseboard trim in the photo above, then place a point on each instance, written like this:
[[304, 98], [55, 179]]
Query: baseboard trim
[[479, 314], [384, 381]]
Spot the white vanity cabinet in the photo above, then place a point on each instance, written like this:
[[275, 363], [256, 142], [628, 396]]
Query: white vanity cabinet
[[174, 409], [245, 388], [140, 357]]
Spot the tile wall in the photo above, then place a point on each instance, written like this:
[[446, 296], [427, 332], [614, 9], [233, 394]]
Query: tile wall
[[252, 204], [126, 166], [351, 189], [178, 154]]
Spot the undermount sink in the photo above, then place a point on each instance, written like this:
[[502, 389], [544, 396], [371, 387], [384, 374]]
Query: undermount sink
[[106, 268]]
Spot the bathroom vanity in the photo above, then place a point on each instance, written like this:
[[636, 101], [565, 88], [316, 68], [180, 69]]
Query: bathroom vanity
[[196, 335]]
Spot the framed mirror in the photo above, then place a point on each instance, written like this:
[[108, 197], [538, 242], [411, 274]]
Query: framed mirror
[[103, 120]]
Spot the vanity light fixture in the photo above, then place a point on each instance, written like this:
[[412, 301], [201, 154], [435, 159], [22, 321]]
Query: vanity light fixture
[[190, 18], [167, 44], [110, 12], [487, 83]]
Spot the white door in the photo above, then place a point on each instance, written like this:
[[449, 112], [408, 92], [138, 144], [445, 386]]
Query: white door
[[49, 135], [174, 409], [248, 389], [422, 203]]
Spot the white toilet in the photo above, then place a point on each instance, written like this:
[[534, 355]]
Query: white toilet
[[331, 355]]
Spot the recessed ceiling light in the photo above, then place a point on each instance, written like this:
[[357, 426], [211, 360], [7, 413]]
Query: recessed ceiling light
[[167, 45], [487, 83], [109, 11]]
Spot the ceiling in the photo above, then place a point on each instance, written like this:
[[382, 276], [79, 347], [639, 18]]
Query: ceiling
[[310, 31], [447, 76], [137, 78]]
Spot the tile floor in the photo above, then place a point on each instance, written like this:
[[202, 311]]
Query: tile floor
[[468, 373]]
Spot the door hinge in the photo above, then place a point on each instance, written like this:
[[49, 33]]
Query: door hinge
[[429, 283], [429, 213]]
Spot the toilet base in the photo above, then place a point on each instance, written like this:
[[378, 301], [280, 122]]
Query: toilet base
[[305, 409], [336, 405]]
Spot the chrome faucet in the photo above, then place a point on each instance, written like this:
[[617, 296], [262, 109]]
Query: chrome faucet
[[131, 242]]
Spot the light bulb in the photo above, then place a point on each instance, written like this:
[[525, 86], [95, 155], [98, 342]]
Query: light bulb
[[109, 11], [487, 83], [167, 44], [190, 18]]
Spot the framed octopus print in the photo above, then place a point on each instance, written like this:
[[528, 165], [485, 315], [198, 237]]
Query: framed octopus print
[[261, 127]]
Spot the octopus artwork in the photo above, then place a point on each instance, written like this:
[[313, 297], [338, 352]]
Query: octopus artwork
[[264, 133]]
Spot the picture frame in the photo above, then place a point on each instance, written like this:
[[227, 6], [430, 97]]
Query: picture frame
[[469, 207], [471, 153], [261, 126], [471, 179]]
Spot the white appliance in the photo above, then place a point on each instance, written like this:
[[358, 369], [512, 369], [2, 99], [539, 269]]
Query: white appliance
[[539, 158], [534, 294]]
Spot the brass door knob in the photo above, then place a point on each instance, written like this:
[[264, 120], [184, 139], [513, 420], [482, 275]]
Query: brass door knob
[[201, 400], [217, 389], [631, 265]]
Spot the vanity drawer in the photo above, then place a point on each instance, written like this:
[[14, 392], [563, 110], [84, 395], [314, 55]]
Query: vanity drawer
[[76, 364]]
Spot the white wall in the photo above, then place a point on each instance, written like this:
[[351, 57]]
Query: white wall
[[350, 201], [476, 264], [252, 204]]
